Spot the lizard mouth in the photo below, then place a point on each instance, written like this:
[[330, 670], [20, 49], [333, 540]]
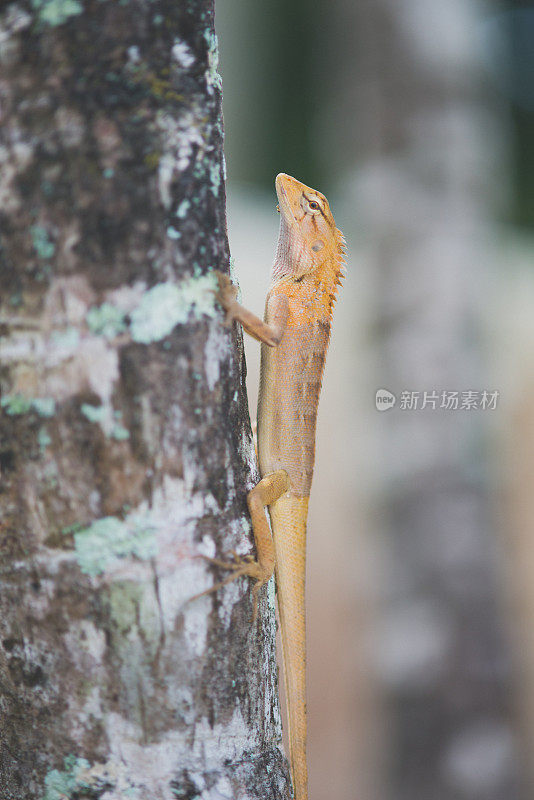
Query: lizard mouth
[[283, 188]]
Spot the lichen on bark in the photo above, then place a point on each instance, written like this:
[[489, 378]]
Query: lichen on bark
[[125, 446]]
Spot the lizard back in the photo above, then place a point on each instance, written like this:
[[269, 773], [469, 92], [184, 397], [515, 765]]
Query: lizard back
[[290, 384]]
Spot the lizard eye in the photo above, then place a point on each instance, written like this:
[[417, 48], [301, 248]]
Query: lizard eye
[[312, 204]]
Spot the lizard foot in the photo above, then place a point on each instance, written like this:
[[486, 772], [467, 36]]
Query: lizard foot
[[226, 295], [243, 566]]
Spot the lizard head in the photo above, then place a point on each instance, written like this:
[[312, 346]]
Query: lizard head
[[309, 239]]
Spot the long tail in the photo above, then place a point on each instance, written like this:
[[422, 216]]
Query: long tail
[[288, 517]]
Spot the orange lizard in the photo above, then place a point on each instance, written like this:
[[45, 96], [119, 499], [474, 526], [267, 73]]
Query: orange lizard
[[306, 274]]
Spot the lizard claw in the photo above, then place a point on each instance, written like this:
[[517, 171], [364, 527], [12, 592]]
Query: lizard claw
[[226, 295], [243, 566], [217, 562]]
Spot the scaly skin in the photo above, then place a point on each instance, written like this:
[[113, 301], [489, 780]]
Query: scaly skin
[[295, 333]]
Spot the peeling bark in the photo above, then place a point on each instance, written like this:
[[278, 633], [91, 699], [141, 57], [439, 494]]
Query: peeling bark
[[125, 445]]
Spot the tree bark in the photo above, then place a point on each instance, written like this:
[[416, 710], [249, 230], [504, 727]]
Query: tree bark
[[125, 444]]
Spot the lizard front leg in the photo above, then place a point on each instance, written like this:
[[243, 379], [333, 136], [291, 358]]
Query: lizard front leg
[[278, 309], [267, 491]]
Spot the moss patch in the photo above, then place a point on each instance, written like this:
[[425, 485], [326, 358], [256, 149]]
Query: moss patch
[[213, 78], [183, 208], [16, 404], [63, 784], [109, 539], [41, 243], [43, 439], [215, 178], [56, 12], [167, 305], [93, 413], [120, 433], [106, 320], [45, 406]]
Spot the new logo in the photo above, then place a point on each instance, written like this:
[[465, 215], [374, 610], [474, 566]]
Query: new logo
[[384, 400]]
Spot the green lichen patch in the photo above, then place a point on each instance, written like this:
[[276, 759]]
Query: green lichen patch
[[167, 305], [93, 413], [109, 539], [215, 178], [41, 242], [63, 784], [120, 433], [45, 406], [183, 208], [16, 404], [43, 439], [213, 79], [172, 233], [106, 320], [102, 416], [56, 12]]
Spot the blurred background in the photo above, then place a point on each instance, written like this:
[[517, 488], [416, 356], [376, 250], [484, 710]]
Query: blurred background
[[416, 119]]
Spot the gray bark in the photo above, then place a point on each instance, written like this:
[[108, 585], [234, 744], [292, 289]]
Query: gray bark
[[425, 186], [125, 445]]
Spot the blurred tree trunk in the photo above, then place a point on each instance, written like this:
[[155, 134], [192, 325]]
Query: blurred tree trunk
[[516, 440], [428, 141], [519, 442], [125, 446]]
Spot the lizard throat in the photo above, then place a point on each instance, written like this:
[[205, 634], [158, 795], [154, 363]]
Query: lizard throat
[[291, 259], [294, 259]]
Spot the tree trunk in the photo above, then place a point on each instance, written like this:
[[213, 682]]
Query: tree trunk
[[125, 445], [429, 141]]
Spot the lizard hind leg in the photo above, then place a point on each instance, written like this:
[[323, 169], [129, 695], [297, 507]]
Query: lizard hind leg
[[267, 491]]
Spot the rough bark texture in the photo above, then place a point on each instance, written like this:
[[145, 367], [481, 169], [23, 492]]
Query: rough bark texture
[[125, 447], [428, 139]]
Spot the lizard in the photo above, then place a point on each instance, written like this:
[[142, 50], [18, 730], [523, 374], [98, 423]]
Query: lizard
[[294, 336]]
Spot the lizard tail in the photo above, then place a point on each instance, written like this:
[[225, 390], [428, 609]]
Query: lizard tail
[[288, 517]]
